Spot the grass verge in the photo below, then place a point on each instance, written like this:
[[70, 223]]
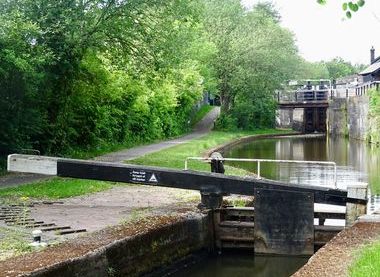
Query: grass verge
[[368, 262], [54, 188], [174, 157], [14, 242]]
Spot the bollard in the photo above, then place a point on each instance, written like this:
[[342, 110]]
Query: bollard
[[353, 211], [37, 236], [217, 163], [37, 239]]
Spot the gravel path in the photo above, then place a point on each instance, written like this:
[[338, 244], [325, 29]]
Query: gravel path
[[119, 204], [108, 208], [201, 129]]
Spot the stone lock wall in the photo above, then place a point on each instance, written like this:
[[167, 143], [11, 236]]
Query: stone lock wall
[[348, 117], [140, 254], [290, 118]]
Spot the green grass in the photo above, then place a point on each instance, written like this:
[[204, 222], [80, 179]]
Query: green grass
[[175, 157], [14, 242], [205, 109], [54, 188], [368, 262]]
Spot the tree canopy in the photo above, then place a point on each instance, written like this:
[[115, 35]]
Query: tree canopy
[[83, 74]]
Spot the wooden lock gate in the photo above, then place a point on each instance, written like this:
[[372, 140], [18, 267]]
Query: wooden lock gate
[[283, 220]]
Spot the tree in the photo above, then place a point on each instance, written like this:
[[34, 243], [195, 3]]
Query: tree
[[254, 56], [22, 117], [221, 20], [339, 68], [76, 74]]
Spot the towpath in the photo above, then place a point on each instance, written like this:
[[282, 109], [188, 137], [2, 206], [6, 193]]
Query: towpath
[[123, 202], [201, 128]]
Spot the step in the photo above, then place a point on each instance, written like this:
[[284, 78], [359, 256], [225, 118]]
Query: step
[[237, 239], [55, 228], [39, 225], [71, 231]]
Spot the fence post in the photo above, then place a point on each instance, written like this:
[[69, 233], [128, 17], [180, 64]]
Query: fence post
[[353, 211]]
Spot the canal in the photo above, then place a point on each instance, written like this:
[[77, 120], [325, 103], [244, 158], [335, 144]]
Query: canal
[[238, 264], [357, 162]]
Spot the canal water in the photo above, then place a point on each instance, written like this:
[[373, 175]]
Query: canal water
[[357, 162], [231, 264]]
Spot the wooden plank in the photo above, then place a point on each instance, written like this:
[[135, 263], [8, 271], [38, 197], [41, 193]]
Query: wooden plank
[[323, 234], [237, 224], [326, 228], [239, 211], [71, 231], [56, 228], [237, 244], [235, 233], [39, 225], [284, 222], [238, 239], [329, 215]]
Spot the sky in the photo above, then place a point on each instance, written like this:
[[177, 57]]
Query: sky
[[322, 32]]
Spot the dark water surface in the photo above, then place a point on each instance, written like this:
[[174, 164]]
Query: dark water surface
[[357, 161], [244, 265]]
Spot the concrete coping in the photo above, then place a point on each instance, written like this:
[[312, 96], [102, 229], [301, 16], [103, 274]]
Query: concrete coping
[[369, 218], [358, 185]]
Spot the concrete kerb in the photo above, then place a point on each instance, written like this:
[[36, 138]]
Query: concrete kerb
[[370, 218], [224, 147]]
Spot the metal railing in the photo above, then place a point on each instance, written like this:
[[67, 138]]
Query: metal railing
[[303, 96], [259, 161]]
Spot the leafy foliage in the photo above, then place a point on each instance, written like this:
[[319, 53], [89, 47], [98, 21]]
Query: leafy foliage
[[82, 75], [348, 7], [374, 116], [254, 56]]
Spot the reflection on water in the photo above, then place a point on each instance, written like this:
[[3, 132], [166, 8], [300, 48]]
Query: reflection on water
[[357, 161], [228, 264]]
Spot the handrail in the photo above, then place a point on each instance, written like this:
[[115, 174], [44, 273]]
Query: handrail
[[266, 160]]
